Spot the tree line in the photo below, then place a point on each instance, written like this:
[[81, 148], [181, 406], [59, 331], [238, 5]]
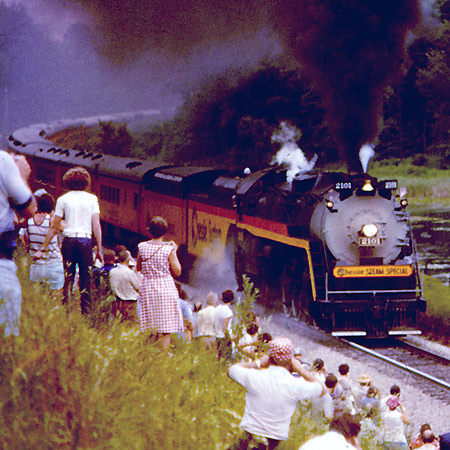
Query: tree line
[[230, 119]]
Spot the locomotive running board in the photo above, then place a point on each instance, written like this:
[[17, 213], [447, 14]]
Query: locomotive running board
[[348, 333]]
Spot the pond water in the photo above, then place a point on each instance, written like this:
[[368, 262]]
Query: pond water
[[431, 228]]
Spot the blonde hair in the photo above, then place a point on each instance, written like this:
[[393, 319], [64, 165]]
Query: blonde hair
[[212, 299]]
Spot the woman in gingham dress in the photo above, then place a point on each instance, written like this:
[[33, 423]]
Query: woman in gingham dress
[[160, 312]]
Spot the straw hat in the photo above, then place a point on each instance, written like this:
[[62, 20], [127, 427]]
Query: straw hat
[[364, 379]]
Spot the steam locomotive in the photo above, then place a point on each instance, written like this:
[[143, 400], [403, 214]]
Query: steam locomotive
[[334, 248]]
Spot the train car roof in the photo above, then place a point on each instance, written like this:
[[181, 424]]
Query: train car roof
[[182, 180], [129, 168], [33, 134], [31, 149], [181, 173], [47, 129], [45, 149]]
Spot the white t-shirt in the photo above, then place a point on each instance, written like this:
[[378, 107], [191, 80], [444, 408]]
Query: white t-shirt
[[328, 441], [205, 321], [221, 313], [12, 188], [323, 406], [125, 282], [77, 209], [271, 399], [393, 428]]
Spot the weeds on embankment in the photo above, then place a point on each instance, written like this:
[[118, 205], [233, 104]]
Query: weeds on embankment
[[71, 382], [75, 382]]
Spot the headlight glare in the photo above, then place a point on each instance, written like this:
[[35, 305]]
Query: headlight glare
[[369, 230]]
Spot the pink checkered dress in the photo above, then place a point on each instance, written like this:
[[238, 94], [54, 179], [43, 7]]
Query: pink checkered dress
[[158, 296]]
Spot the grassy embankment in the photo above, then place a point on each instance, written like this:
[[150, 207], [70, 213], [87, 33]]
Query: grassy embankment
[[67, 383], [436, 323]]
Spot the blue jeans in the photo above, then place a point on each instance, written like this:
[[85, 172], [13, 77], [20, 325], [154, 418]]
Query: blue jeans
[[77, 252], [10, 297], [51, 273]]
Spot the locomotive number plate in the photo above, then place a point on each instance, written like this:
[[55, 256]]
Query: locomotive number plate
[[372, 271], [343, 185], [370, 241]]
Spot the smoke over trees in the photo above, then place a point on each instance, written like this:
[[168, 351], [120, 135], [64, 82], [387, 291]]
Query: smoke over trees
[[229, 121], [350, 49]]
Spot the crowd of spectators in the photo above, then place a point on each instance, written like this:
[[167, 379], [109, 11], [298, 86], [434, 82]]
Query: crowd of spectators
[[60, 238]]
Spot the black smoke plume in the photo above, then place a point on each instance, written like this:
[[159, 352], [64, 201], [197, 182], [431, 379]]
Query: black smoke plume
[[351, 49]]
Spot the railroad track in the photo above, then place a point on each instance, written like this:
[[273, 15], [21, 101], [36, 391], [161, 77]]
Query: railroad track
[[418, 362]]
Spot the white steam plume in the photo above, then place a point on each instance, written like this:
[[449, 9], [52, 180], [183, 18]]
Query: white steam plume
[[290, 154], [214, 270], [365, 154]]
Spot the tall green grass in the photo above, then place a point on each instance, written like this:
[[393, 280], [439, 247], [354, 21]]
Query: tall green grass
[[424, 184], [71, 382], [436, 323]]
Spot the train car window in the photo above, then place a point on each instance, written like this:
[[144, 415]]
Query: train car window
[[136, 200], [110, 194], [167, 183]]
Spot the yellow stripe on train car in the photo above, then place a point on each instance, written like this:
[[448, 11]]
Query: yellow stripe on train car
[[372, 271]]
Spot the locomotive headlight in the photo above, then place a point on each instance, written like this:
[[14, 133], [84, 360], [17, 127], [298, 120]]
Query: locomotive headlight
[[369, 230]]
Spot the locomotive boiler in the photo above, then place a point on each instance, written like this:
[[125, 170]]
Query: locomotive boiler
[[333, 248]]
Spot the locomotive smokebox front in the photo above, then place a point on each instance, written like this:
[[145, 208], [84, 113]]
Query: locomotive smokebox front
[[360, 226]]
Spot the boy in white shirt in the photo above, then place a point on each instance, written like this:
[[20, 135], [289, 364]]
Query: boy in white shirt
[[205, 321]]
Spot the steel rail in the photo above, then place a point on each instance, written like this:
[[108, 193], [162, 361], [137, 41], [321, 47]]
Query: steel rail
[[398, 364], [415, 348]]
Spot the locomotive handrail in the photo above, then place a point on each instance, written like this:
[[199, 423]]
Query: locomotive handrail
[[416, 262]]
